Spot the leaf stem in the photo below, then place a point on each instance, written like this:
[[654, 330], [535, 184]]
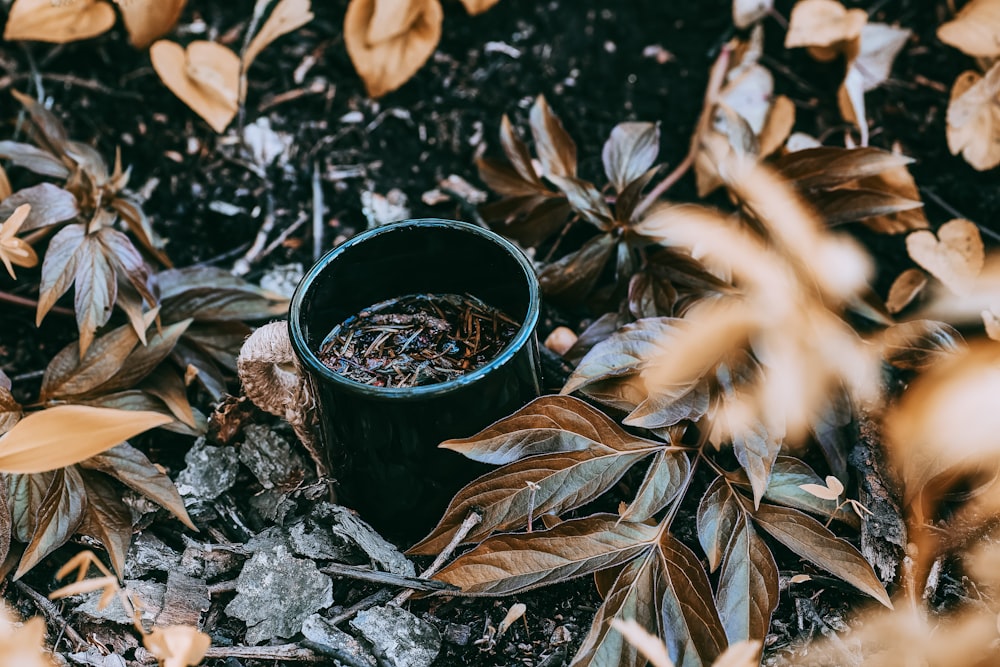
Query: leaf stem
[[471, 521], [715, 81], [16, 300]]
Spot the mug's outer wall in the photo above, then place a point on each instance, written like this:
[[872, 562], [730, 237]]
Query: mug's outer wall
[[383, 442]]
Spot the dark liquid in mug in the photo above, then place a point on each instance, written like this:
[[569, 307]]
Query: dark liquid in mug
[[417, 339]]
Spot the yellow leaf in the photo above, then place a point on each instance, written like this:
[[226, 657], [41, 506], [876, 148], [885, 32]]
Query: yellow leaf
[[66, 434], [976, 29], [177, 645], [955, 257], [12, 249], [147, 20], [905, 288], [385, 51], [973, 120], [478, 6], [206, 77], [58, 22], [287, 16]]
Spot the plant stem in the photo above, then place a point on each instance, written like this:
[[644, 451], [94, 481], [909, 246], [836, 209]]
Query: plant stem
[[16, 300], [715, 81], [471, 521]]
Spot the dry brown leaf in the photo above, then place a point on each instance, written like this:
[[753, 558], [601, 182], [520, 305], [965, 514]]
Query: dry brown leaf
[[287, 16], [148, 20], [778, 126], [206, 77], [824, 26], [973, 120], [955, 257], [975, 30], [388, 45], [748, 12], [12, 249], [478, 6], [22, 644], [177, 645], [905, 289], [58, 22], [38, 442]]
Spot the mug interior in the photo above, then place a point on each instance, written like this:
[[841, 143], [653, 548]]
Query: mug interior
[[411, 257]]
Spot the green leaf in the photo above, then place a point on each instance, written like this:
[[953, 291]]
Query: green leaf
[[826, 166], [10, 409], [59, 515], [748, 585], [663, 481], [787, 476], [556, 150], [513, 563], [547, 425], [847, 205], [537, 485], [72, 374], [574, 276], [131, 467], [96, 288], [808, 538], [59, 267], [50, 204], [630, 151], [518, 155], [145, 358], [33, 159], [6, 520], [919, 344], [107, 519], [633, 595], [667, 405], [25, 494], [690, 623], [718, 514]]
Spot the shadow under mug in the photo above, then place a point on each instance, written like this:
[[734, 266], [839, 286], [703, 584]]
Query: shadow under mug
[[382, 442]]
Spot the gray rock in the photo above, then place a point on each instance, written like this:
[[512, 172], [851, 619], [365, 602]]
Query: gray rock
[[276, 592], [147, 594], [345, 523], [458, 634], [148, 553], [335, 642], [272, 505], [210, 472], [270, 457], [93, 657], [398, 637], [209, 564]]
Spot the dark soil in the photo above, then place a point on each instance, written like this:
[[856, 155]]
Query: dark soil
[[596, 62]]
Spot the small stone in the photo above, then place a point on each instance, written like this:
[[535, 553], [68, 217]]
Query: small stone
[[276, 592], [319, 630], [210, 472], [399, 638], [385, 554], [209, 564], [272, 505], [147, 594], [561, 340], [270, 457], [149, 553], [282, 279], [93, 657], [457, 634]]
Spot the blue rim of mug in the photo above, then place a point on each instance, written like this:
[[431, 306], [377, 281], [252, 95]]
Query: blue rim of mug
[[522, 338]]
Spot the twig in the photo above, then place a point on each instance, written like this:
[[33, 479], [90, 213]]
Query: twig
[[31, 303], [242, 266], [471, 521], [715, 81], [387, 578], [379, 597], [291, 652], [951, 210], [317, 212], [283, 235], [51, 613]]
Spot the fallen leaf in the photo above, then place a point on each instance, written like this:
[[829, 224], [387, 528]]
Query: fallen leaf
[[973, 119], [177, 645], [205, 76], [991, 321], [905, 289], [975, 30], [58, 22], [388, 43], [12, 249], [148, 20], [22, 644], [478, 6], [880, 44], [955, 257], [823, 26], [287, 16], [38, 442], [778, 127]]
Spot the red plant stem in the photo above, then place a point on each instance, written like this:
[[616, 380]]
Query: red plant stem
[[31, 303], [715, 81]]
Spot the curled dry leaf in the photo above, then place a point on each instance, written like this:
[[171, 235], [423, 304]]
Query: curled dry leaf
[[955, 257], [148, 20], [58, 22], [975, 30], [905, 289], [12, 249], [177, 645], [287, 16], [388, 41], [973, 120], [824, 26], [205, 76]]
